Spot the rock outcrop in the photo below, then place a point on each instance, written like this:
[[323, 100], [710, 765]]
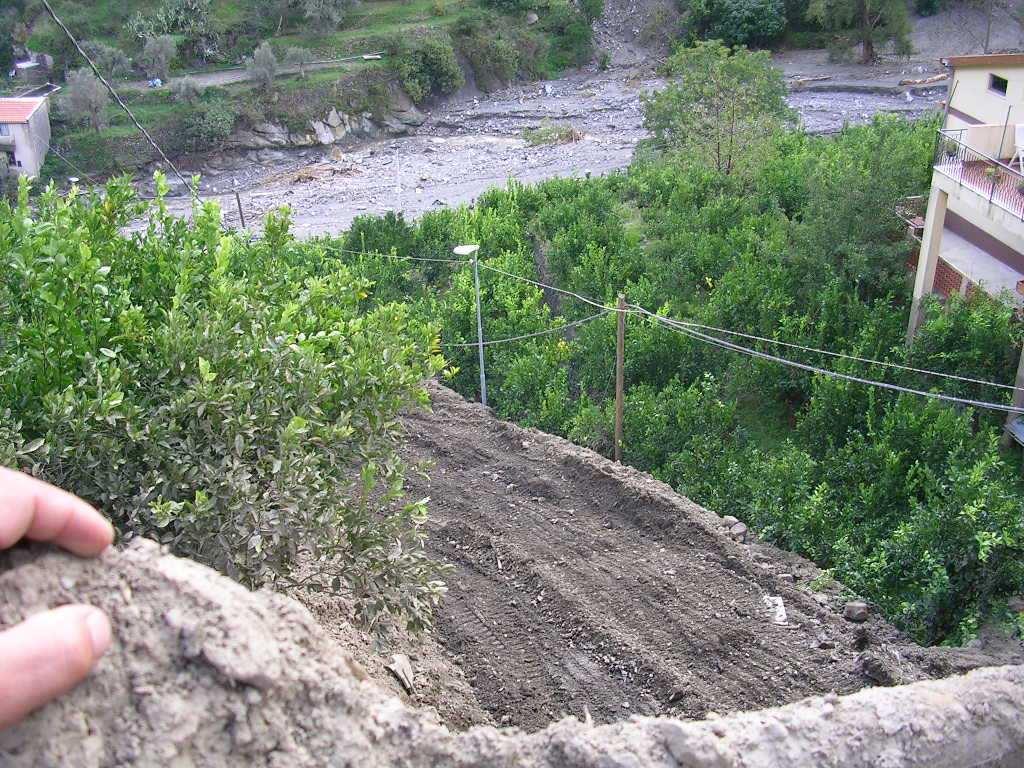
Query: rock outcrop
[[204, 674], [400, 117]]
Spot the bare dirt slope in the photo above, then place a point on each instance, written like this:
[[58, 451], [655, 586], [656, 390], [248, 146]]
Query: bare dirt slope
[[203, 674], [584, 586]]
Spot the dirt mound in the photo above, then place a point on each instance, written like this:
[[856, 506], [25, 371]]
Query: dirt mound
[[438, 683], [582, 587], [204, 674]]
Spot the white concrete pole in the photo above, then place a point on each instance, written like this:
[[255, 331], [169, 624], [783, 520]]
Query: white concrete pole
[[1018, 401], [480, 331], [931, 244]]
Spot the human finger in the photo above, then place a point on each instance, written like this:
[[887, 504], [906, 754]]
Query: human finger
[[47, 655], [30, 508]]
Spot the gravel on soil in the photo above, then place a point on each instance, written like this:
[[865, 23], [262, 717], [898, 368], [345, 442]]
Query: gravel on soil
[[586, 588]]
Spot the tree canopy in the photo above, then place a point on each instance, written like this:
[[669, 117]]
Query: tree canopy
[[721, 104], [868, 23]]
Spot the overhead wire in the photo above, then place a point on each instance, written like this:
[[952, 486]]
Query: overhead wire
[[547, 332], [115, 95], [339, 249], [842, 355], [689, 329], [722, 343], [71, 165], [584, 299]]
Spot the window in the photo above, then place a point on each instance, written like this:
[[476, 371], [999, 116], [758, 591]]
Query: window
[[997, 84], [5, 129]]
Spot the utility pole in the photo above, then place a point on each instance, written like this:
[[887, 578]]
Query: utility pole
[[479, 331], [471, 250], [620, 375]]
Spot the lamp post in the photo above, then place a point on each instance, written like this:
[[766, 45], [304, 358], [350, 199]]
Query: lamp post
[[470, 250]]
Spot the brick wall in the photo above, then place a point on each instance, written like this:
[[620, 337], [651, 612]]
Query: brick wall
[[947, 280]]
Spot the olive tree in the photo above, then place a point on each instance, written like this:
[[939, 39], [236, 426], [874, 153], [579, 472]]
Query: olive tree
[[326, 11], [720, 104], [111, 61], [186, 90], [262, 67], [157, 55], [85, 98], [299, 57]]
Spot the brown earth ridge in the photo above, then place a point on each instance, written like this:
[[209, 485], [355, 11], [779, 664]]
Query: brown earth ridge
[[587, 588], [580, 587]]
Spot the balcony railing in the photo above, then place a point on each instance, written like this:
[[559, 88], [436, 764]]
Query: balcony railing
[[998, 182]]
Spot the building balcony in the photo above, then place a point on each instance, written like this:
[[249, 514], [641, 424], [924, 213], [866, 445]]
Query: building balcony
[[974, 158]]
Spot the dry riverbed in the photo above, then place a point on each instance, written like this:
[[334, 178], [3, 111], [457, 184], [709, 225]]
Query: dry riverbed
[[470, 145]]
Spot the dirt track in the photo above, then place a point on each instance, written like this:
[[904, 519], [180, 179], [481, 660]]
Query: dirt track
[[582, 586]]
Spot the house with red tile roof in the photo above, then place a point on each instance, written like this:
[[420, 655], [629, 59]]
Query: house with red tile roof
[[24, 133]]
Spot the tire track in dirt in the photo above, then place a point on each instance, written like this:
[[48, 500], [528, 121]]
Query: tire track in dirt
[[581, 586]]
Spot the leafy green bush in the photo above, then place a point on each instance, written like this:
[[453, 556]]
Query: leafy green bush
[[551, 133], [737, 22], [232, 398], [427, 66], [592, 9], [494, 59], [571, 32], [207, 125], [513, 6]]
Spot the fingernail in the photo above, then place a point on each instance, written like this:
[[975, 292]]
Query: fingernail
[[99, 631]]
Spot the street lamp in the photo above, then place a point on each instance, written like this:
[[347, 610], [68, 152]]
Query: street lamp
[[470, 250]]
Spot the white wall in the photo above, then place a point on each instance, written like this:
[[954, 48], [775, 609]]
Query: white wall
[[973, 96], [975, 208], [31, 142]]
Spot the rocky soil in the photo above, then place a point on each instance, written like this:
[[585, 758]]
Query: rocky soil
[[581, 588], [586, 588], [473, 143]]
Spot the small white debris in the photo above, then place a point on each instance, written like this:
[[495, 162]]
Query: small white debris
[[774, 604]]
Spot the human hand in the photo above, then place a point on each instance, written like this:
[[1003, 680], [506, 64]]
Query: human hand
[[49, 653]]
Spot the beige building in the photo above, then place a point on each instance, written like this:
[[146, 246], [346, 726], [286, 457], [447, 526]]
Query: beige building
[[973, 237], [25, 133]]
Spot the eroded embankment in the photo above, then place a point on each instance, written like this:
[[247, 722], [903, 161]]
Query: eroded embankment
[[204, 674], [585, 587]]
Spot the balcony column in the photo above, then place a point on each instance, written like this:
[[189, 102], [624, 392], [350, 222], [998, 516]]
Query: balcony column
[[1018, 402], [931, 244]]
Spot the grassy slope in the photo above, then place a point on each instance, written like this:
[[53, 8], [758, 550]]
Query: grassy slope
[[368, 24]]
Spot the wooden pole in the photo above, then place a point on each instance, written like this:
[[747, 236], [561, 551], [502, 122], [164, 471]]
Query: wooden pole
[[238, 202], [620, 375]]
